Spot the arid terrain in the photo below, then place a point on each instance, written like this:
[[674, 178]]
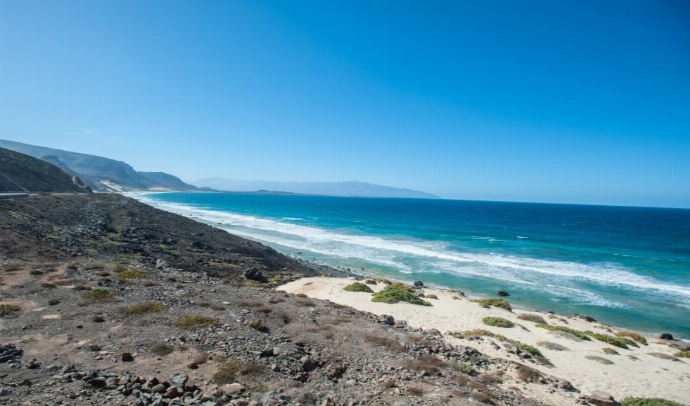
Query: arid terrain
[[108, 301]]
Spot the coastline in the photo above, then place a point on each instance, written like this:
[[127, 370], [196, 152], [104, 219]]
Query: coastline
[[647, 371]]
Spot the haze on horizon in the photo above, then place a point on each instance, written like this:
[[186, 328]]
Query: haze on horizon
[[547, 101]]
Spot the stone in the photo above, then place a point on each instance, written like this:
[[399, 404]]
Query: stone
[[503, 293], [601, 398], [584, 317], [666, 336], [178, 380], [231, 388], [418, 284], [158, 388], [127, 357], [386, 319]]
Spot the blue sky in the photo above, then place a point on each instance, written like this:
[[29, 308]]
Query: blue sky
[[554, 101]]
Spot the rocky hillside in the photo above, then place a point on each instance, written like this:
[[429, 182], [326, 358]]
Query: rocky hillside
[[104, 300], [23, 173], [101, 174]]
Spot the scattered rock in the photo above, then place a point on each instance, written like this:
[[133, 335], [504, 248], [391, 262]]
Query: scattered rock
[[666, 336]]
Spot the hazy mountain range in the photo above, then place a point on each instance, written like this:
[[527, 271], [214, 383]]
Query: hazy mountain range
[[100, 174], [108, 175], [358, 189]]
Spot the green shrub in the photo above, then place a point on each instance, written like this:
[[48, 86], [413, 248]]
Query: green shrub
[[497, 322], [142, 308], [617, 341], [99, 295], [384, 281], [132, 274], [577, 333], [465, 368], [398, 292], [635, 336], [503, 304], [432, 296], [7, 309], [682, 354], [609, 351], [522, 346], [648, 402], [358, 287], [232, 371], [193, 322]]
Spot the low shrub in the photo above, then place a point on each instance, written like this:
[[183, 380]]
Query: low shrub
[[682, 354], [8, 309], [384, 281], [531, 317], [212, 306], [358, 287], [53, 302], [648, 402], [162, 349], [522, 346], [426, 362], [243, 303], [232, 371], [391, 344], [620, 342], [465, 368], [493, 302], [98, 318], [609, 351], [497, 322], [398, 292], [577, 333], [598, 359], [552, 346], [262, 309], [193, 322], [132, 274], [415, 390], [142, 308], [99, 295], [258, 325], [431, 296], [635, 336], [527, 374], [661, 355]]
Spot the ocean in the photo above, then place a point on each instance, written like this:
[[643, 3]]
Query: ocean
[[624, 266]]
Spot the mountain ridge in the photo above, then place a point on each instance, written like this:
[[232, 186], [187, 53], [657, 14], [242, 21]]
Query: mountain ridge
[[100, 173], [21, 173], [347, 189]]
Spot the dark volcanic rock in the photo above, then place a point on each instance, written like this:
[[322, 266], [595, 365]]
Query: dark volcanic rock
[[666, 336]]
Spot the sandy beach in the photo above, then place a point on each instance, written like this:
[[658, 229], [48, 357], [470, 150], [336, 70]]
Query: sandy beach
[[647, 371]]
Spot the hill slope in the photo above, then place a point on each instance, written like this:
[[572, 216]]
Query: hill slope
[[349, 189], [101, 174], [23, 173]]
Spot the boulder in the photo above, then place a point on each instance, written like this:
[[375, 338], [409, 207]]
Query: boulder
[[503, 293], [666, 336], [418, 284]]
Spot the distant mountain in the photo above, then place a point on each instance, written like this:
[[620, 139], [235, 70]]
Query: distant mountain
[[101, 174], [23, 173], [351, 189]]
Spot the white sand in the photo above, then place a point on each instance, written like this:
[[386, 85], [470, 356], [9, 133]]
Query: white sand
[[646, 376]]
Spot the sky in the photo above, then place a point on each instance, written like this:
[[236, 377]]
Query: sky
[[548, 101]]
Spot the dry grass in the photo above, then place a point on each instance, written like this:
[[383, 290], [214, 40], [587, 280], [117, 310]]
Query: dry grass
[[599, 359], [99, 295], [193, 322], [531, 317], [244, 303], [142, 308], [429, 363], [393, 345], [527, 374], [162, 349], [661, 355], [262, 309], [258, 325], [415, 391], [552, 346], [212, 306], [233, 371]]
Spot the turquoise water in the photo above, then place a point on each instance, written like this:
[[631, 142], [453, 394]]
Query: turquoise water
[[625, 266]]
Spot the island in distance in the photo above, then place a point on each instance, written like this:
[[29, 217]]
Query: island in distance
[[349, 189]]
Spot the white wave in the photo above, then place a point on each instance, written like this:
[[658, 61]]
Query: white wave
[[521, 237], [396, 253]]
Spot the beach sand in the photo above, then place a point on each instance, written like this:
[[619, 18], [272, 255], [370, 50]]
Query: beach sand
[[634, 372]]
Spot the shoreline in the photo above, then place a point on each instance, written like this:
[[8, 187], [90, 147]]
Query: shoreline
[[647, 371]]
